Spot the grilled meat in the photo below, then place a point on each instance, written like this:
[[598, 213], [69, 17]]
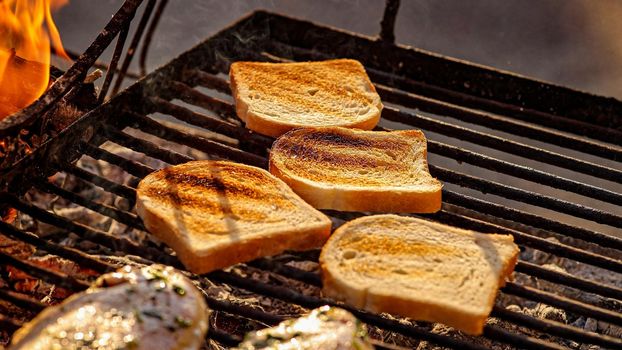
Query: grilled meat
[[325, 328], [150, 308]]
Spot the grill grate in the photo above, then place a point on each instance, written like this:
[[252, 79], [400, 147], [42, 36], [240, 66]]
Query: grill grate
[[191, 89]]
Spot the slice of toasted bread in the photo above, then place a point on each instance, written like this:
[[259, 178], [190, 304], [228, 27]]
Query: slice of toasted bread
[[418, 269], [216, 213], [273, 98], [356, 170]]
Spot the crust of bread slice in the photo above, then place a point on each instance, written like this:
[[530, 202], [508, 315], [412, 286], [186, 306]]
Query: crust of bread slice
[[273, 98], [214, 214], [357, 170], [419, 269]]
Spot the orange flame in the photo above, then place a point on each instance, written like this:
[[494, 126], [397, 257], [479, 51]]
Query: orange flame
[[26, 28]]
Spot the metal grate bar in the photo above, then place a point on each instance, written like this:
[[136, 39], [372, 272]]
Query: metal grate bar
[[313, 302], [524, 172], [112, 69], [150, 126], [494, 122], [148, 148], [148, 37], [564, 303], [570, 252], [131, 50], [212, 124], [568, 280], [91, 234], [110, 186], [21, 300], [372, 319], [521, 340], [281, 49], [59, 278], [9, 325], [407, 99], [131, 167], [208, 80], [535, 242], [502, 144], [552, 327], [556, 328], [531, 219], [121, 216], [192, 96], [473, 158], [223, 337], [533, 198], [81, 258]]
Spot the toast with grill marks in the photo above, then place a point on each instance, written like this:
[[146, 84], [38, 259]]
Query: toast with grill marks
[[356, 170], [216, 213], [273, 98], [416, 268]]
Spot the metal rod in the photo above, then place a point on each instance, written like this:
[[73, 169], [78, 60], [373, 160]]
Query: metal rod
[[98, 64], [146, 147], [144, 51], [529, 197], [150, 126], [568, 280], [521, 340], [502, 144], [260, 142], [313, 302], [283, 49], [209, 81], [59, 278], [112, 69], [498, 123], [516, 215], [564, 303], [131, 50], [524, 172], [126, 218], [556, 328], [21, 300], [387, 25], [131, 167], [78, 256], [110, 186], [563, 250], [9, 325], [92, 234], [189, 95]]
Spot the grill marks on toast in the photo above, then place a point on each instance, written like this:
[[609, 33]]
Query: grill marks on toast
[[216, 213], [237, 191], [358, 158]]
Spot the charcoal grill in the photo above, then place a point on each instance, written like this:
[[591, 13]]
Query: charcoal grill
[[193, 89]]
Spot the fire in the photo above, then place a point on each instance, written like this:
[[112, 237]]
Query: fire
[[26, 29]]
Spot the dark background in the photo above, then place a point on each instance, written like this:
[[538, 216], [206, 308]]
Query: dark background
[[570, 42]]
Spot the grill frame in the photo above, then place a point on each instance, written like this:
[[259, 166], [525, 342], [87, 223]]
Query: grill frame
[[107, 123]]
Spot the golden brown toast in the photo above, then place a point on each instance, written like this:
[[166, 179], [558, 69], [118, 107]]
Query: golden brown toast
[[216, 213], [416, 268], [273, 98], [356, 170]]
